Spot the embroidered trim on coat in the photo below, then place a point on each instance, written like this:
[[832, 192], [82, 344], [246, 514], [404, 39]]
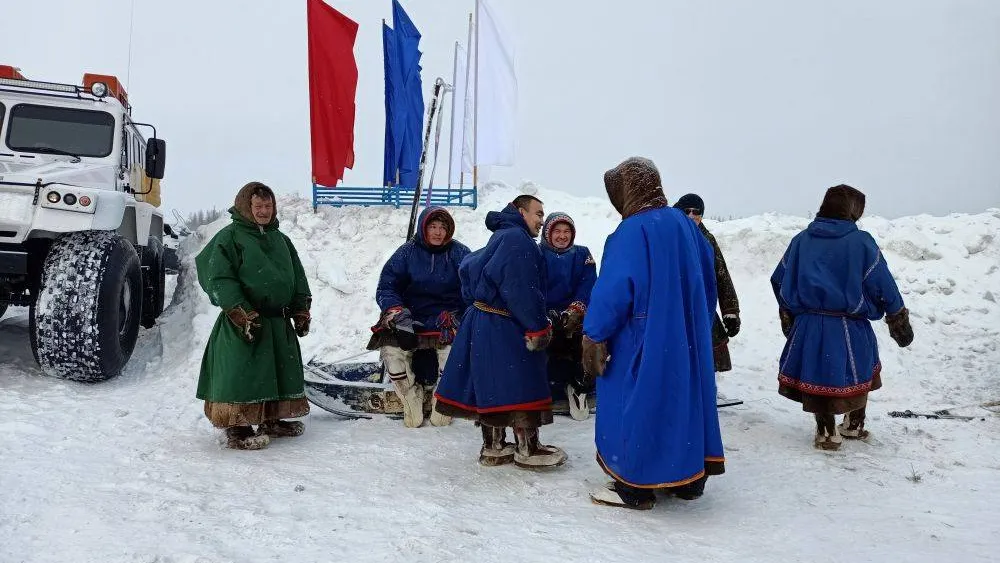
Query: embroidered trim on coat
[[878, 258], [850, 351], [825, 390]]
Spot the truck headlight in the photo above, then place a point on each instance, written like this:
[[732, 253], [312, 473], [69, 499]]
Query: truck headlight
[[99, 89], [53, 197], [69, 199]]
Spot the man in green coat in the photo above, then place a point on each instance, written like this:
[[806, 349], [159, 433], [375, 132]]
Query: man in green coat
[[252, 369]]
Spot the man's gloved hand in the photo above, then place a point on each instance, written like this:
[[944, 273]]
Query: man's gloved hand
[[389, 315], [300, 321], [899, 327], [732, 323], [572, 317], [595, 358], [537, 341], [246, 323], [448, 325], [555, 318], [787, 320]]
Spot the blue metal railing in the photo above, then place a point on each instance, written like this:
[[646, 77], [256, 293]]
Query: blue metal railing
[[397, 197]]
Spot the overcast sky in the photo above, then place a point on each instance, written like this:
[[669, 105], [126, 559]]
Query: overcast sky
[[758, 106]]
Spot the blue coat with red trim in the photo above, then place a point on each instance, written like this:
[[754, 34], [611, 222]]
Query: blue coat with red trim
[[490, 369], [834, 280], [570, 275], [653, 304], [423, 278]]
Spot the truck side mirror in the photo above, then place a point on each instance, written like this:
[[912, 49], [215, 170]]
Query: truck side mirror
[[156, 156]]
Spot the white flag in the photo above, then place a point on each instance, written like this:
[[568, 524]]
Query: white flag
[[468, 153], [496, 90], [460, 159]]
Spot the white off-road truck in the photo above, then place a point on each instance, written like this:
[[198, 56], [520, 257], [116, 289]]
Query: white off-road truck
[[81, 236]]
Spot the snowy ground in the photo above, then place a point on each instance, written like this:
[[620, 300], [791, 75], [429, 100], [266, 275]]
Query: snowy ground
[[129, 470]]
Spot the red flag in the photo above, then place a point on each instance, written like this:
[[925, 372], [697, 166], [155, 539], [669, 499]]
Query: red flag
[[333, 84]]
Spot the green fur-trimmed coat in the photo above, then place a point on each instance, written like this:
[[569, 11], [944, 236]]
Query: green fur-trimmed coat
[[256, 268]]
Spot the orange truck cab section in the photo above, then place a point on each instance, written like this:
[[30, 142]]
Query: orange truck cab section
[[7, 71], [115, 87]]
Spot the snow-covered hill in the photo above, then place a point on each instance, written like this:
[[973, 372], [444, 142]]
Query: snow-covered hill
[[129, 470]]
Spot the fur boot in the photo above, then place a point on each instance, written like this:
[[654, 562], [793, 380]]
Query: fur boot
[[398, 363], [579, 408], [436, 418], [692, 490], [496, 450], [244, 438], [282, 428], [623, 496], [853, 427], [827, 436], [412, 397], [530, 454]]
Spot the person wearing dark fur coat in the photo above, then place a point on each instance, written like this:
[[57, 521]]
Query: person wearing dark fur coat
[[831, 283], [728, 326], [496, 372], [420, 296], [570, 272]]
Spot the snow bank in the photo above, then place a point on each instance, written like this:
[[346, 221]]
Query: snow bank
[[343, 251], [946, 267], [130, 470]]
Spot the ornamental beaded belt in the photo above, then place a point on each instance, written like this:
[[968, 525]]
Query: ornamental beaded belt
[[484, 307]]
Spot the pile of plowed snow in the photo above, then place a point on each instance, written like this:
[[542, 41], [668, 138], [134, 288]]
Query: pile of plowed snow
[[946, 267], [130, 470]]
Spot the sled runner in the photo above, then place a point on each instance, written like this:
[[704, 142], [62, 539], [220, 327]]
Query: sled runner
[[359, 388]]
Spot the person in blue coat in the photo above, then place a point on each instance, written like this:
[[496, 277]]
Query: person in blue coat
[[570, 273], [496, 373], [420, 296], [830, 284], [652, 310]]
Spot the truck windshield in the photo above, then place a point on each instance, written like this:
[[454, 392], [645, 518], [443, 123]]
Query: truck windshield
[[53, 130]]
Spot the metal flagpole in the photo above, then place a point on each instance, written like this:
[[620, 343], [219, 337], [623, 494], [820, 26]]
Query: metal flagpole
[[468, 70], [475, 110], [454, 101]]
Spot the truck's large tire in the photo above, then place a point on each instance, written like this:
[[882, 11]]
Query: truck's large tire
[[89, 306], [154, 282]]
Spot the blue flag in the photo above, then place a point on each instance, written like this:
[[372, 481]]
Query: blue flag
[[395, 112], [410, 104]]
